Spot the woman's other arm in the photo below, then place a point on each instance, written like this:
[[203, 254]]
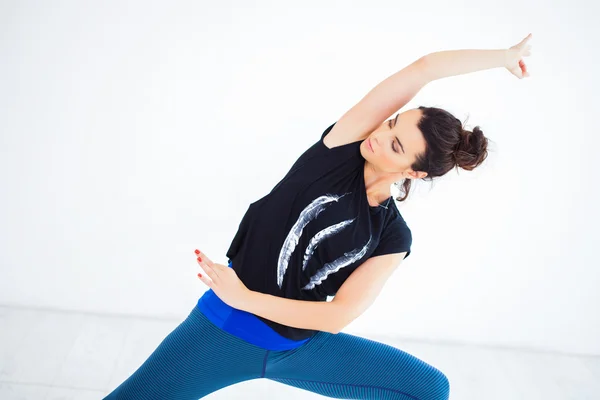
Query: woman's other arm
[[353, 298], [303, 314]]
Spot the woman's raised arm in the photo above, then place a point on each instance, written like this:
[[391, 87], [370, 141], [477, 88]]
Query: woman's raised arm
[[442, 64]]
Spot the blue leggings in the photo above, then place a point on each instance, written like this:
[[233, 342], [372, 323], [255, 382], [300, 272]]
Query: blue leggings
[[198, 358]]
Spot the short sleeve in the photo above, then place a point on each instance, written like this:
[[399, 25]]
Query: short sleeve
[[396, 238], [326, 131]]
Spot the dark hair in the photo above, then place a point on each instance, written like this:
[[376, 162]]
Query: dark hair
[[448, 145]]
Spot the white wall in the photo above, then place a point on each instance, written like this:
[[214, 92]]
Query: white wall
[[133, 133]]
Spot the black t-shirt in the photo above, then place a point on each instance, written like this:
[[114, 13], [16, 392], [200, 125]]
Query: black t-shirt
[[303, 239]]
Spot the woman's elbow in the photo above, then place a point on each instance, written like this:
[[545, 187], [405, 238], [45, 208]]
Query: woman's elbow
[[342, 318]]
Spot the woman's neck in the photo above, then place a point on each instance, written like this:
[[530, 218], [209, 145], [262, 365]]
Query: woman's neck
[[377, 187]]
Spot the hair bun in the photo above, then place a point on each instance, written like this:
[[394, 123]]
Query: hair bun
[[471, 149]]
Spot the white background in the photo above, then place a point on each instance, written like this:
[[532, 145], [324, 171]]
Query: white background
[[133, 133]]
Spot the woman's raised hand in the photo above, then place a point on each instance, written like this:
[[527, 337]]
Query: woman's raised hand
[[514, 58]]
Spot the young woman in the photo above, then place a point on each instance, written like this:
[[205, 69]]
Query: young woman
[[328, 228]]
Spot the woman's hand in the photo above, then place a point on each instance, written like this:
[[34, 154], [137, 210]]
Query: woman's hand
[[225, 282], [514, 58]]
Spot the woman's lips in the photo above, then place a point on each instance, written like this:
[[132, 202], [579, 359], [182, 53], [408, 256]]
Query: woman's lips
[[369, 143]]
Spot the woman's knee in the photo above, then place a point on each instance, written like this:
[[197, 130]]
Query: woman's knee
[[430, 384], [439, 387]]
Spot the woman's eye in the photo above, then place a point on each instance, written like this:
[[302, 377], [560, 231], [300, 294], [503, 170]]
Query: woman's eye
[[390, 125]]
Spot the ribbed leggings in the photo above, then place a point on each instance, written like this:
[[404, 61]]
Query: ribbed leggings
[[198, 358]]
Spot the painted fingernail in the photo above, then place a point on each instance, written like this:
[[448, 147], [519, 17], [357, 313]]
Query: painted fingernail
[[199, 258], [197, 251], [200, 275]]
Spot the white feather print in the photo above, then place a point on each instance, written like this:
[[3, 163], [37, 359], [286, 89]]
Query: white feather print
[[319, 237], [336, 265], [309, 213]]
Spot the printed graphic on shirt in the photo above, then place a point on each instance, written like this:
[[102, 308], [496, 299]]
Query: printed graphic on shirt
[[308, 214]]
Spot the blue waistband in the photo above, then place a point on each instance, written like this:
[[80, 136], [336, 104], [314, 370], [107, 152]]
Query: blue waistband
[[242, 324]]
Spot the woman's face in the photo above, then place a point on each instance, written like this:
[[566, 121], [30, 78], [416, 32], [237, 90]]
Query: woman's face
[[395, 143]]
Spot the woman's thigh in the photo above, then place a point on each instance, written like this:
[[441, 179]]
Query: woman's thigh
[[345, 366], [195, 359]]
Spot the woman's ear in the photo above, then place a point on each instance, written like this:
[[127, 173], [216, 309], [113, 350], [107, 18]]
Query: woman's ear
[[414, 174]]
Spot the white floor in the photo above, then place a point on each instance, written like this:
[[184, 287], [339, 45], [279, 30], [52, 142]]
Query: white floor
[[58, 356]]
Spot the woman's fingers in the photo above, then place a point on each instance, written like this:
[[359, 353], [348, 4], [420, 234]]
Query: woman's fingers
[[525, 40], [523, 67], [207, 281], [215, 266], [203, 256], [210, 271]]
